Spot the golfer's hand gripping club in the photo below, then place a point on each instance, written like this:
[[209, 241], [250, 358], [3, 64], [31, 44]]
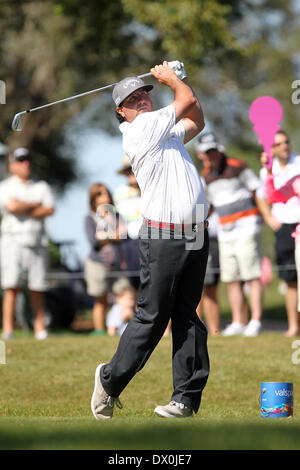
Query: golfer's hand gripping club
[[178, 68]]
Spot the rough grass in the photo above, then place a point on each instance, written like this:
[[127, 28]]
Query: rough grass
[[46, 389]]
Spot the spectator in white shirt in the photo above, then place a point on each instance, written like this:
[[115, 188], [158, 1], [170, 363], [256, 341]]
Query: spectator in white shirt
[[25, 204], [283, 218]]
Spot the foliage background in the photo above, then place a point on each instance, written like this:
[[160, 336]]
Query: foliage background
[[233, 50]]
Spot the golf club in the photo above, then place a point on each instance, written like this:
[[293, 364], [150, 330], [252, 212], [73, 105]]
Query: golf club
[[17, 121]]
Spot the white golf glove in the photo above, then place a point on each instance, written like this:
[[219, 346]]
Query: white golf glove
[[178, 68]]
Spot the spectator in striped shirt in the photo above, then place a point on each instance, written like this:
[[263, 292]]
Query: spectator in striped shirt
[[231, 191]]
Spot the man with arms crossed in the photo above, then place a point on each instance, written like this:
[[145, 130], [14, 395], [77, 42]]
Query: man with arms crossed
[[172, 273], [25, 205]]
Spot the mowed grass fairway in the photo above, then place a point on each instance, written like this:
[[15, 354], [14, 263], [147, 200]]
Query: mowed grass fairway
[[46, 389]]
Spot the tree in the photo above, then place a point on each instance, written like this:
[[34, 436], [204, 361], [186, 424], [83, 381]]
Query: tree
[[50, 50], [233, 51]]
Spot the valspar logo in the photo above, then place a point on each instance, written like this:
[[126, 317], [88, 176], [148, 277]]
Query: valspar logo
[[284, 393]]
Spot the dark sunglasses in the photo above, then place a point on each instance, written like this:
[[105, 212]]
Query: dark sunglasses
[[282, 143], [22, 159]]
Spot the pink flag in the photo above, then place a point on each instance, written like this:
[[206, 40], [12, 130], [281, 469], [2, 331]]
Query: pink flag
[[266, 114]]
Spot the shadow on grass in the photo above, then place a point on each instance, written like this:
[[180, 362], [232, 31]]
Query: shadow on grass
[[275, 313], [128, 434]]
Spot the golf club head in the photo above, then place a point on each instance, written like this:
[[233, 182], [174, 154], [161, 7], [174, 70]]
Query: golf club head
[[17, 122]]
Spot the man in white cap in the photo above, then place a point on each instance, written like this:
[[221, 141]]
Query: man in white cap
[[173, 244], [25, 204]]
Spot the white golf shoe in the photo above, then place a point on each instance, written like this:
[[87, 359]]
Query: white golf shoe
[[174, 410], [7, 336], [252, 329], [41, 335], [102, 404], [233, 329]]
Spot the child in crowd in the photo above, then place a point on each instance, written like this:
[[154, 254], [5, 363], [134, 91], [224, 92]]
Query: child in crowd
[[122, 311]]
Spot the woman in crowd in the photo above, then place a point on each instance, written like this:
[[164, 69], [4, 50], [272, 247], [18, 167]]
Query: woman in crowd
[[105, 232]]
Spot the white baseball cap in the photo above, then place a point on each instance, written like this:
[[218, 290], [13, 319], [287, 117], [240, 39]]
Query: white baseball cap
[[207, 142], [126, 165], [127, 86], [20, 154]]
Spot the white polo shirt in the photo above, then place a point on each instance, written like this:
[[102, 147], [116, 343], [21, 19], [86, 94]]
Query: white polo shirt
[[27, 231], [171, 188], [289, 212]]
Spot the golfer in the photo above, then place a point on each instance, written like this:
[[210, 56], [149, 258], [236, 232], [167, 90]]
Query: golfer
[[172, 272]]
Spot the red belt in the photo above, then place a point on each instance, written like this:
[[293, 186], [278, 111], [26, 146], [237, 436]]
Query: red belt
[[183, 227]]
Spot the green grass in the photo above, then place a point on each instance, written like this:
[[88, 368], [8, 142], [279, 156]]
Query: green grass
[[46, 389]]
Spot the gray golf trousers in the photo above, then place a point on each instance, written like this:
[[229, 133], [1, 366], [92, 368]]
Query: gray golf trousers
[[171, 285]]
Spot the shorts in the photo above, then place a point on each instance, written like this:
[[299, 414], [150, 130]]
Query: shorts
[[213, 264], [241, 259], [285, 252], [21, 264], [97, 278]]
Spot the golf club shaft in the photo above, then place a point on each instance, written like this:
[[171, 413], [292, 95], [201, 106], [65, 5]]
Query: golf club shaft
[[79, 95]]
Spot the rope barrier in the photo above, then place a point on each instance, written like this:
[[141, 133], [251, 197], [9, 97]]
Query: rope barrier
[[80, 275]]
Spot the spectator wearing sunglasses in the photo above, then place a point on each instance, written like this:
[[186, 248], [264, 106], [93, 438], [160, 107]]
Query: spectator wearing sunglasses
[[283, 219]]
